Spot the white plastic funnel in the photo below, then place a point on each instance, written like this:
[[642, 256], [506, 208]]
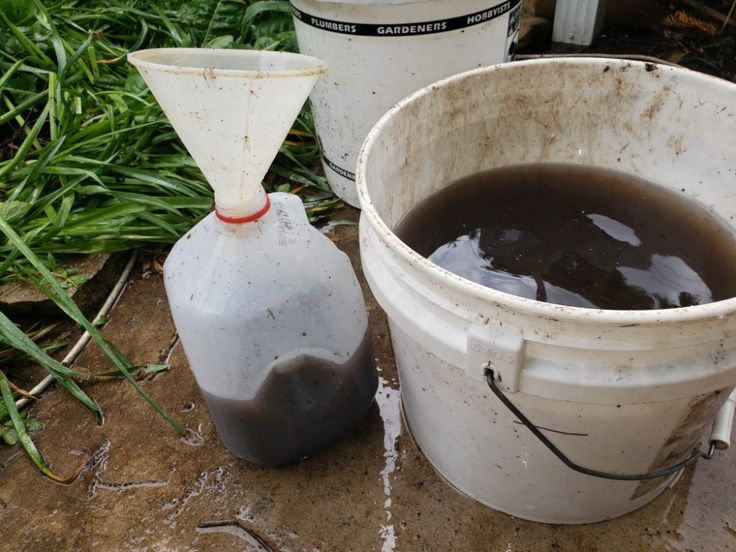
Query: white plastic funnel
[[232, 109]]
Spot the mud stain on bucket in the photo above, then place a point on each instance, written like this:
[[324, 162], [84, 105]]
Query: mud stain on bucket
[[701, 412]]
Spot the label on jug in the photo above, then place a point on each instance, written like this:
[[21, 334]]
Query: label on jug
[[288, 233]]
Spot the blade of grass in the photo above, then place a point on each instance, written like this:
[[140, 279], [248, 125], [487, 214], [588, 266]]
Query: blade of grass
[[9, 73], [33, 51], [14, 336], [264, 6], [173, 31], [148, 370], [728, 17], [23, 107], [211, 21], [30, 447], [40, 165], [66, 304], [25, 147]]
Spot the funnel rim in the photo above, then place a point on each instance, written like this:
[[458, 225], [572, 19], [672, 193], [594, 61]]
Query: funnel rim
[[138, 59], [590, 316]]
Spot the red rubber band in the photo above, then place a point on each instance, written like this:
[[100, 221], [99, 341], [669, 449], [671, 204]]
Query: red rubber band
[[249, 218]]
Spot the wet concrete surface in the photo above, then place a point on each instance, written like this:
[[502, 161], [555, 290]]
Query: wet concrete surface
[[147, 489]]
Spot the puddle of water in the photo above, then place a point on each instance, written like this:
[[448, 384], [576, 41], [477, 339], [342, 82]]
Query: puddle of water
[[701, 513], [250, 512], [389, 401], [150, 484], [388, 534]]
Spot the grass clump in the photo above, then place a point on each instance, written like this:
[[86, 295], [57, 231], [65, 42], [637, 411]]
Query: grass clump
[[88, 162]]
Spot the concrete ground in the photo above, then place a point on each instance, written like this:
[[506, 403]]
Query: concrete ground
[[146, 489]]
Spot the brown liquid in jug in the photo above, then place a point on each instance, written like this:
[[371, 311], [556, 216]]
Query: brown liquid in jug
[[578, 236], [304, 404]]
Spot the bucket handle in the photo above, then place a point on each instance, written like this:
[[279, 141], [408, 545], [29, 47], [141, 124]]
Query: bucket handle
[[587, 471]]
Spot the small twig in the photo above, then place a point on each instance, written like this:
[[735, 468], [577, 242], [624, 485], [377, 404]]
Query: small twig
[[21, 392], [85, 339], [728, 17], [43, 332], [40, 334], [249, 535], [110, 61]]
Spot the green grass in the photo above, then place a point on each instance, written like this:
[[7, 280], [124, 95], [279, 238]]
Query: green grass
[[89, 163]]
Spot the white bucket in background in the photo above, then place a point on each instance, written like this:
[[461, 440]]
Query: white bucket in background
[[617, 391], [378, 51]]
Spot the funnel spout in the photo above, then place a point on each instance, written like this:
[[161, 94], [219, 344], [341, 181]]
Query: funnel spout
[[232, 110]]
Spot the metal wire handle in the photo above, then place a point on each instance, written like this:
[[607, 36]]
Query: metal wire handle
[[587, 471]]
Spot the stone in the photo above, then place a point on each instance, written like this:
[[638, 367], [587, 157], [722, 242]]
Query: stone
[[23, 300]]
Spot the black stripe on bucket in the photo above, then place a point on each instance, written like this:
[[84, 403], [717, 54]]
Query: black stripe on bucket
[[339, 170], [406, 29]]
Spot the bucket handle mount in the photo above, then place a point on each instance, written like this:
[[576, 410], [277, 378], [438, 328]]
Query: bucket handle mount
[[664, 472]]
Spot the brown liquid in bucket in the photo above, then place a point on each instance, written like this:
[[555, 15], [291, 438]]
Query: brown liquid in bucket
[[577, 236], [304, 404]]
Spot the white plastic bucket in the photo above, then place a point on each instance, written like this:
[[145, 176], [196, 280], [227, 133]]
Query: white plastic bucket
[[617, 391], [378, 51]]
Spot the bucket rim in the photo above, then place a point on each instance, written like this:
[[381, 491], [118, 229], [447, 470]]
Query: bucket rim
[[146, 59], [698, 313]]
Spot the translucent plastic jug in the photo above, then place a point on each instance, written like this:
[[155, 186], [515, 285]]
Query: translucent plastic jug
[[269, 311], [274, 327]]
